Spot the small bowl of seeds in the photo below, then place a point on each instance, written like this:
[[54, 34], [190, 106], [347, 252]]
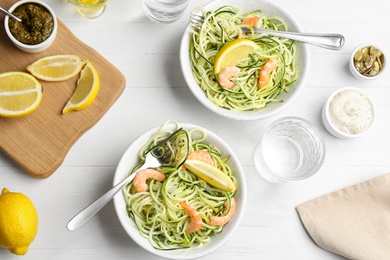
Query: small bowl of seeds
[[367, 62]]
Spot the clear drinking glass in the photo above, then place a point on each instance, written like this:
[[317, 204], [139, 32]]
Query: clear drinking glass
[[89, 9], [164, 11], [290, 150]]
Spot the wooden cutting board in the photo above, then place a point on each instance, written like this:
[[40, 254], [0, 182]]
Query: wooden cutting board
[[40, 141]]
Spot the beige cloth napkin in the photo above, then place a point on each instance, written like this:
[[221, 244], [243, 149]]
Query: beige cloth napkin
[[353, 222]]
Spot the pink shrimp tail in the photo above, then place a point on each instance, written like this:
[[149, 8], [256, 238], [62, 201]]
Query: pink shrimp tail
[[268, 67], [141, 177], [222, 220], [195, 222], [252, 21], [225, 76], [201, 156]]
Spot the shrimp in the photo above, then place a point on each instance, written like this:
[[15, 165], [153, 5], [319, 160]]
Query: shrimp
[[252, 21], [224, 77], [195, 222], [268, 67], [201, 156], [141, 177], [222, 220]]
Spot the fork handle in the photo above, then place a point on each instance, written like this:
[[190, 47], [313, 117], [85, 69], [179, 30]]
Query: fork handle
[[2, 10], [85, 214], [330, 41]]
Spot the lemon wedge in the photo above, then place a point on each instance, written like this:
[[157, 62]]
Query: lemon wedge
[[86, 90], [233, 52], [57, 67], [211, 175], [20, 94]]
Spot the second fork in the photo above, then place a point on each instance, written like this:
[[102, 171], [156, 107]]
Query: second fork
[[153, 159]]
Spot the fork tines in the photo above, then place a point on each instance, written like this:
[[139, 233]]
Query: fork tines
[[196, 19]]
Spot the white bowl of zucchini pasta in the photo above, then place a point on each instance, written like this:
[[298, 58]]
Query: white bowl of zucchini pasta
[[236, 72], [191, 205]]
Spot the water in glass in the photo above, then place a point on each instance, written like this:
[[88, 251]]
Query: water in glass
[[164, 11]]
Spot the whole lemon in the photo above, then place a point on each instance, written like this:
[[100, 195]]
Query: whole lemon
[[18, 222]]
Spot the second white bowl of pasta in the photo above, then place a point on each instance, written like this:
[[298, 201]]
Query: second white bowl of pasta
[[255, 85], [181, 216]]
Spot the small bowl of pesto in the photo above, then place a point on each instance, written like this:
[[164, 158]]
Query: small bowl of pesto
[[367, 62], [38, 28], [348, 113]]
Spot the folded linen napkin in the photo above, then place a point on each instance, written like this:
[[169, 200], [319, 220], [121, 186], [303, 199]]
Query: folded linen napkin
[[353, 222]]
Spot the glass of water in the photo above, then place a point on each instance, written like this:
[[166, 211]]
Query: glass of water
[[164, 11], [290, 150], [89, 9]]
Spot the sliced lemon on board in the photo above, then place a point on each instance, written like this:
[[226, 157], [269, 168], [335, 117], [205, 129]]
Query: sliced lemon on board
[[86, 90], [233, 52], [211, 175], [20, 94], [57, 67]]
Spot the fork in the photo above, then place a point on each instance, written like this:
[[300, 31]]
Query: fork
[[155, 157], [331, 41]]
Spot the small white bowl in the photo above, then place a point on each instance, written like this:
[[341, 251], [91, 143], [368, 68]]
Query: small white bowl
[[356, 73], [36, 47], [302, 63], [347, 106], [131, 158]]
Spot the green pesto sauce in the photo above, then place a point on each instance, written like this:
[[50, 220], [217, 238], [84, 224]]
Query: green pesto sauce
[[36, 26]]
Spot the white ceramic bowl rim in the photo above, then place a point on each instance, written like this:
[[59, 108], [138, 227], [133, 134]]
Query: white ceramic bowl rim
[[329, 121], [28, 46], [130, 158], [303, 61]]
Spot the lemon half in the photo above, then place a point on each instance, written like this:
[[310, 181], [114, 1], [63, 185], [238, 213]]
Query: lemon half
[[57, 67], [20, 94], [233, 52]]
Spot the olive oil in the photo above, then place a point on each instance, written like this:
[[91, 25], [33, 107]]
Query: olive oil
[[88, 2], [89, 9]]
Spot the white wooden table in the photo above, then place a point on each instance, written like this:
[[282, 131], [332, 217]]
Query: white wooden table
[[148, 56]]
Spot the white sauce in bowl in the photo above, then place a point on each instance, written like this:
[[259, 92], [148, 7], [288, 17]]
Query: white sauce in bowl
[[351, 111]]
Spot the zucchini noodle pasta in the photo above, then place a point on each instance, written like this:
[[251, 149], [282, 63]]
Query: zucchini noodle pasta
[[158, 212], [225, 25]]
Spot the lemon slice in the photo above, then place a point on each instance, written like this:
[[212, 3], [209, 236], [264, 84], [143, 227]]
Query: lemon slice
[[233, 52], [20, 94], [86, 90], [210, 174], [57, 67]]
